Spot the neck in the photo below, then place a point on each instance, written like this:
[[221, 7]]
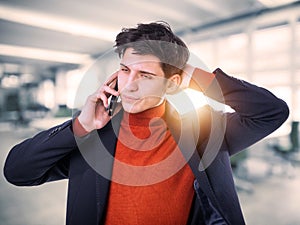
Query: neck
[[143, 118]]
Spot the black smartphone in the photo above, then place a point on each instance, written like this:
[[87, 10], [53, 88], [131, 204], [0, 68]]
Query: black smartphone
[[113, 102]]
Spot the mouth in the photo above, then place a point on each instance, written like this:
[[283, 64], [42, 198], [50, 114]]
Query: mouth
[[129, 98]]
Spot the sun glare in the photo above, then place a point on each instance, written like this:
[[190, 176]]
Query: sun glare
[[189, 99]]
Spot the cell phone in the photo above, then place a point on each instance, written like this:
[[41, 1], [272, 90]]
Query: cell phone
[[113, 102]]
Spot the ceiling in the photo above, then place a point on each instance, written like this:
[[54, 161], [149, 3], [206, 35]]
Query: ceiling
[[39, 36]]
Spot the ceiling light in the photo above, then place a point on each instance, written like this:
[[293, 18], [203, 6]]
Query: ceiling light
[[211, 6], [274, 3], [152, 8], [11, 81], [46, 55], [56, 23]]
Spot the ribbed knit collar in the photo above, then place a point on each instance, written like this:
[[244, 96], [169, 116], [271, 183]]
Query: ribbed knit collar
[[142, 119]]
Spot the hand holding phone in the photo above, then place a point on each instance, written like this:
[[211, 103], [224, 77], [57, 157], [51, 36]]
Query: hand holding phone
[[113, 102], [94, 114]]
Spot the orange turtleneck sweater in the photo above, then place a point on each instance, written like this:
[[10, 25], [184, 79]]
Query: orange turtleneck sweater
[[151, 181]]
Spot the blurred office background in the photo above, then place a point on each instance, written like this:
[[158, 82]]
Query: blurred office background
[[48, 51]]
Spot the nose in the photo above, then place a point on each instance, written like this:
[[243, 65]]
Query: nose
[[132, 81]]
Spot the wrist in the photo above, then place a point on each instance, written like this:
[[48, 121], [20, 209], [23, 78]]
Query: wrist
[[202, 79], [186, 76], [79, 129]]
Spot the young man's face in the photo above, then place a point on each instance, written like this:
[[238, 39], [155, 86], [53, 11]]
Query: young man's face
[[141, 82]]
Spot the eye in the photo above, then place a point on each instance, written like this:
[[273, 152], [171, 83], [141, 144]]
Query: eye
[[123, 69], [147, 76]]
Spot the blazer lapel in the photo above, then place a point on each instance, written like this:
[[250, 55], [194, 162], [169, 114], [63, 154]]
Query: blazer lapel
[[108, 138], [187, 138]]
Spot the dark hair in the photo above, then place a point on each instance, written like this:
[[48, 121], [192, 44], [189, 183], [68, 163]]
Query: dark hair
[[155, 39]]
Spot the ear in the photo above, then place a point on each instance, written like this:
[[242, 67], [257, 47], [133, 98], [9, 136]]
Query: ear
[[173, 84]]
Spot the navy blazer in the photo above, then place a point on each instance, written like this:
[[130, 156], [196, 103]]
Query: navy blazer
[[55, 154]]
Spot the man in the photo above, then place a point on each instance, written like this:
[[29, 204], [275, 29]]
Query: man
[[147, 164]]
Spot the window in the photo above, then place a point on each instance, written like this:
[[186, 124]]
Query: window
[[270, 60]]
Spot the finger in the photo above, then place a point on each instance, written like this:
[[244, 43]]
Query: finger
[[110, 90], [102, 98], [107, 91], [104, 93], [105, 86], [112, 79]]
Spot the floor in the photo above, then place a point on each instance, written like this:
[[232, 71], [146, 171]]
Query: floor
[[268, 187]]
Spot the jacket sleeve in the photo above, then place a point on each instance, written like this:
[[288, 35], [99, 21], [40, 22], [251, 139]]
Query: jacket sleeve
[[42, 158], [257, 112]]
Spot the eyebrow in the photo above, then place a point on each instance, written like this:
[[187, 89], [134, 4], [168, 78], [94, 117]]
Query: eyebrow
[[141, 71]]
